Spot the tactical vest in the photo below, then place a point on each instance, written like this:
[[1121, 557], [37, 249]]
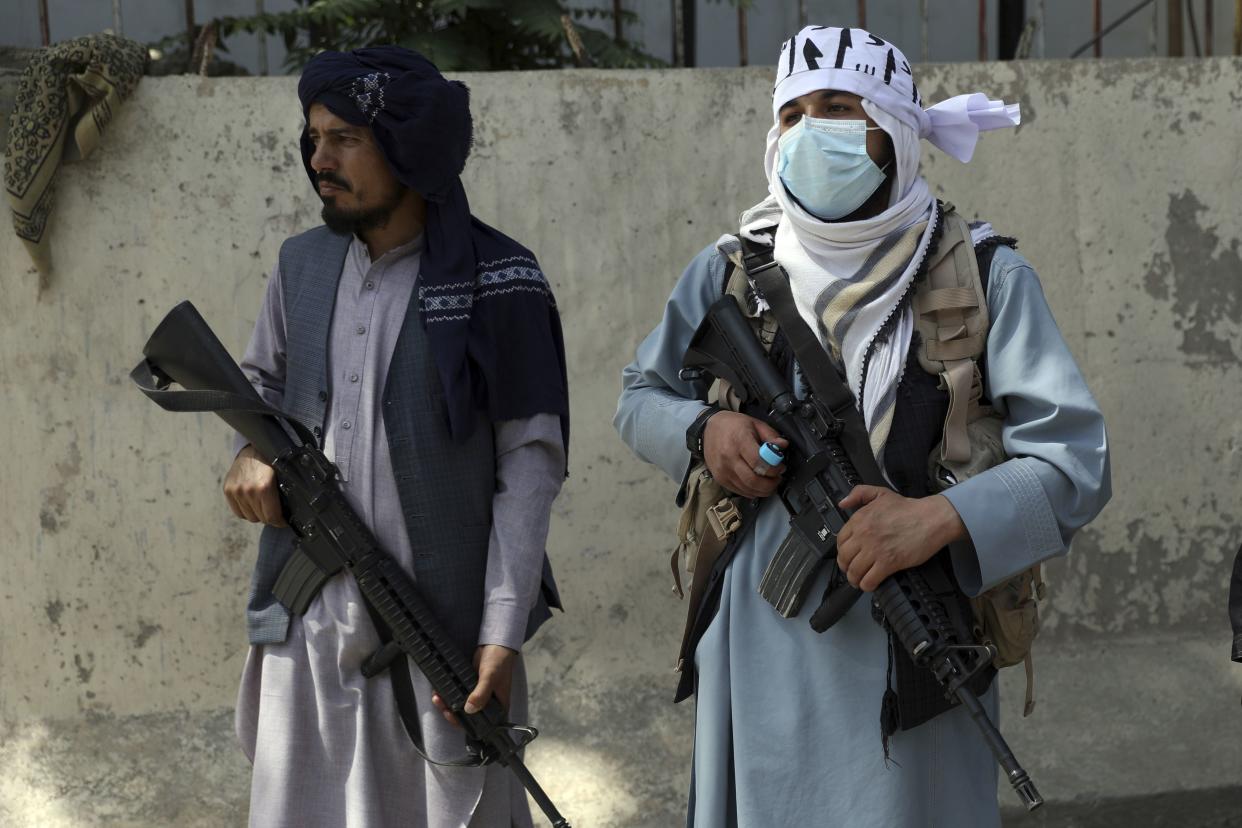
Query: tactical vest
[[445, 488]]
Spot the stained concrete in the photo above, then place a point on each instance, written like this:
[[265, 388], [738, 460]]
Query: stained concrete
[[1213, 808], [121, 635]]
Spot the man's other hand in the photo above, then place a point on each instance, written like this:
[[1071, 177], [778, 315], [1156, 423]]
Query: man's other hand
[[250, 489], [494, 664], [889, 533], [731, 450]]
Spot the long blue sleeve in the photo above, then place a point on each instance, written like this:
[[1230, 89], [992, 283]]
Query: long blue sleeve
[[1028, 508], [656, 406]]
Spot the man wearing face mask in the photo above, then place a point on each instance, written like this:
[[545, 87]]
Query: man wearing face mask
[[795, 727]]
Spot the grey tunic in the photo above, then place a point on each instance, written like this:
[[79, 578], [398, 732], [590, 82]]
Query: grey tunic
[[787, 722], [327, 745]]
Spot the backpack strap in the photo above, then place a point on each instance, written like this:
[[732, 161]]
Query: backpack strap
[[951, 315], [742, 255]]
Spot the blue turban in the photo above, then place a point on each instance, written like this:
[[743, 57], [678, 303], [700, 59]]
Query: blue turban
[[487, 308]]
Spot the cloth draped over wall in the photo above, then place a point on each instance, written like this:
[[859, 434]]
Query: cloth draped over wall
[[67, 95]]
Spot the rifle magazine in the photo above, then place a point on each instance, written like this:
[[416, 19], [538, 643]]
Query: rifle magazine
[[788, 576]]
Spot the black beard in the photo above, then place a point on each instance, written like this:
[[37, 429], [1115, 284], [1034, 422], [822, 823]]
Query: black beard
[[359, 220]]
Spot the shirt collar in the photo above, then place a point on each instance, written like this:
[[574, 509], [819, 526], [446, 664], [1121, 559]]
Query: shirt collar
[[358, 250]]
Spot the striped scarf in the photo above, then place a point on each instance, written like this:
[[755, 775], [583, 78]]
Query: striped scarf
[[863, 317]]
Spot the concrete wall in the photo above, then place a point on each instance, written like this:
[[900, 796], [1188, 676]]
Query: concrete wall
[[121, 635]]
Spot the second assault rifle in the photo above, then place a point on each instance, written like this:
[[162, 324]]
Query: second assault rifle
[[183, 349], [819, 475]]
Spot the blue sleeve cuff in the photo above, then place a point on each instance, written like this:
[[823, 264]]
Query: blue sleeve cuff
[[1011, 524]]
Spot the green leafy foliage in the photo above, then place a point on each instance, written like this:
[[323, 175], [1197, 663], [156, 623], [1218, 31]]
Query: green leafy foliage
[[456, 35]]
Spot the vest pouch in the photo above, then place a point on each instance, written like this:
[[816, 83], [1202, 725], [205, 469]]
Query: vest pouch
[[1009, 616], [986, 450], [709, 517]]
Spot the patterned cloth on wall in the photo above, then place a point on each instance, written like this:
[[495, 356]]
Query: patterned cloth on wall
[[67, 95]]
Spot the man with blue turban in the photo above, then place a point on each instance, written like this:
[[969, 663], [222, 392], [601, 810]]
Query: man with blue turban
[[797, 724], [423, 349]]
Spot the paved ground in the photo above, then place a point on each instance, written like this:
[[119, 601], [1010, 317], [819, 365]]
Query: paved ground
[[184, 770], [1209, 808]]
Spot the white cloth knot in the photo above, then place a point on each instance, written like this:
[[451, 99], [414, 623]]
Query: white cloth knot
[[954, 125]]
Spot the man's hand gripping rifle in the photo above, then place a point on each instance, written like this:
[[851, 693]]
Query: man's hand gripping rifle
[[183, 349], [819, 476]]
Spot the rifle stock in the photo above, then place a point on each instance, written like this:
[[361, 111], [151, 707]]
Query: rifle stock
[[185, 350]]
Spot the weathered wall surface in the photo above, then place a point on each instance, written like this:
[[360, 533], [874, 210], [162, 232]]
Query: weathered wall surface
[[121, 635]]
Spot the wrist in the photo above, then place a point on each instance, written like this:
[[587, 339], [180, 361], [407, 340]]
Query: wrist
[[947, 523], [697, 430], [504, 625]]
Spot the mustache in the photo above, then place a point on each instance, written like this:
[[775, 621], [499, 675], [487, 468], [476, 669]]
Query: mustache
[[333, 179]]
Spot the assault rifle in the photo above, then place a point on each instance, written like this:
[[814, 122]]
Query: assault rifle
[[183, 349], [819, 475]]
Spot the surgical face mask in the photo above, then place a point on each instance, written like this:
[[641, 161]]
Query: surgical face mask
[[824, 164]]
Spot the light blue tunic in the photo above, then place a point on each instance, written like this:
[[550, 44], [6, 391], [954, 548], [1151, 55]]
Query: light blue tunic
[[787, 729]]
